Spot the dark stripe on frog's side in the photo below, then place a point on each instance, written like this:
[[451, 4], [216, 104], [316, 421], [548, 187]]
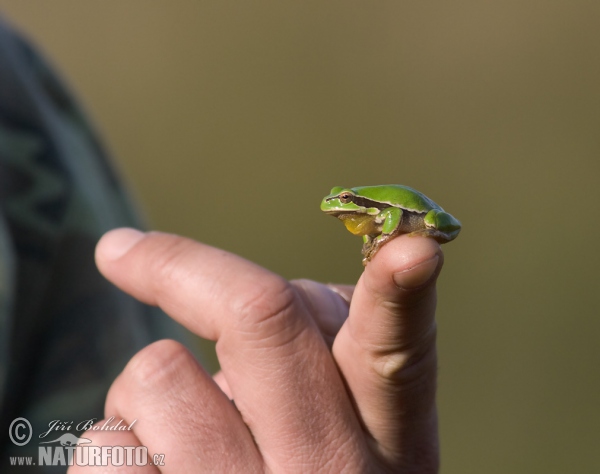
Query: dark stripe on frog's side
[[366, 202]]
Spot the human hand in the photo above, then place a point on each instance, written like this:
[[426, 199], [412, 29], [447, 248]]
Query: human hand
[[318, 386]]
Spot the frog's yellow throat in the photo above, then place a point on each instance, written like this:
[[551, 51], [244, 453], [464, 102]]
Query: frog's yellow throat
[[360, 224]]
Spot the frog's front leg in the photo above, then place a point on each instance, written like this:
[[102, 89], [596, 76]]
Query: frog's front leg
[[390, 224], [367, 244]]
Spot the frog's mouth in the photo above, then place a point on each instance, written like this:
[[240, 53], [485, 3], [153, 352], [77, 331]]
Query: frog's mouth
[[334, 213]]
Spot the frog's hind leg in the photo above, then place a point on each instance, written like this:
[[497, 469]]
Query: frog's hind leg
[[439, 225]]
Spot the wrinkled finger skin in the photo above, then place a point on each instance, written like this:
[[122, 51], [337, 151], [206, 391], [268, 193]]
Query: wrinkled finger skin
[[320, 385]]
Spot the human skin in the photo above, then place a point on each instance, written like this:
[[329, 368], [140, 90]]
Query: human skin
[[319, 385]]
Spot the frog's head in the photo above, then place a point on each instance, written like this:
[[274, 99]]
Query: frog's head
[[340, 201], [349, 206]]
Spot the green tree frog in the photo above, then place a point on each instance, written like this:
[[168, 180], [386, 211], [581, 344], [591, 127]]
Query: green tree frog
[[380, 213]]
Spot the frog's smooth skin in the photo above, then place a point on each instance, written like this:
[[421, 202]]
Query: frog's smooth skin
[[380, 213]]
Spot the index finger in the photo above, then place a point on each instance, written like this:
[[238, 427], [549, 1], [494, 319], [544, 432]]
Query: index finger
[[269, 348]]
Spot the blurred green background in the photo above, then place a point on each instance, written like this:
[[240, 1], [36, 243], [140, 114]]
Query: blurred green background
[[231, 120]]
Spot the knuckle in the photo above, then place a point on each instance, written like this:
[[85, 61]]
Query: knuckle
[[268, 298], [409, 363], [267, 309]]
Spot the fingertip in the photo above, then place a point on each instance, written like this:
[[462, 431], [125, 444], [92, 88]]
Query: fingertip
[[411, 260], [417, 276], [116, 243]]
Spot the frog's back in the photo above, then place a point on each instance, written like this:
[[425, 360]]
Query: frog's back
[[398, 195]]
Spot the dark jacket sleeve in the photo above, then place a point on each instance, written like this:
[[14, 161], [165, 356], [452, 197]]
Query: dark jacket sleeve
[[65, 332]]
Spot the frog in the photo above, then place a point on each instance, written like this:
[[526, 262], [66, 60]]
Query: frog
[[381, 213]]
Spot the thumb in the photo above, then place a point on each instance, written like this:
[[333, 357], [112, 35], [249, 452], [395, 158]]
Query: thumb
[[386, 352]]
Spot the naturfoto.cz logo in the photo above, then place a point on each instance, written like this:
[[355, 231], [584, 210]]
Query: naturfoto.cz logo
[[68, 449]]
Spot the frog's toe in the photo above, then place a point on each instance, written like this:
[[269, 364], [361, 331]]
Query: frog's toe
[[437, 235]]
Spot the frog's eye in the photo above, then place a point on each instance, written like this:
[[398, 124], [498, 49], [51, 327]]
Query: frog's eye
[[345, 198]]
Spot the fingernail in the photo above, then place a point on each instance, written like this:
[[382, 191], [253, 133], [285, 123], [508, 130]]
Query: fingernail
[[117, 243], [416, 276]]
